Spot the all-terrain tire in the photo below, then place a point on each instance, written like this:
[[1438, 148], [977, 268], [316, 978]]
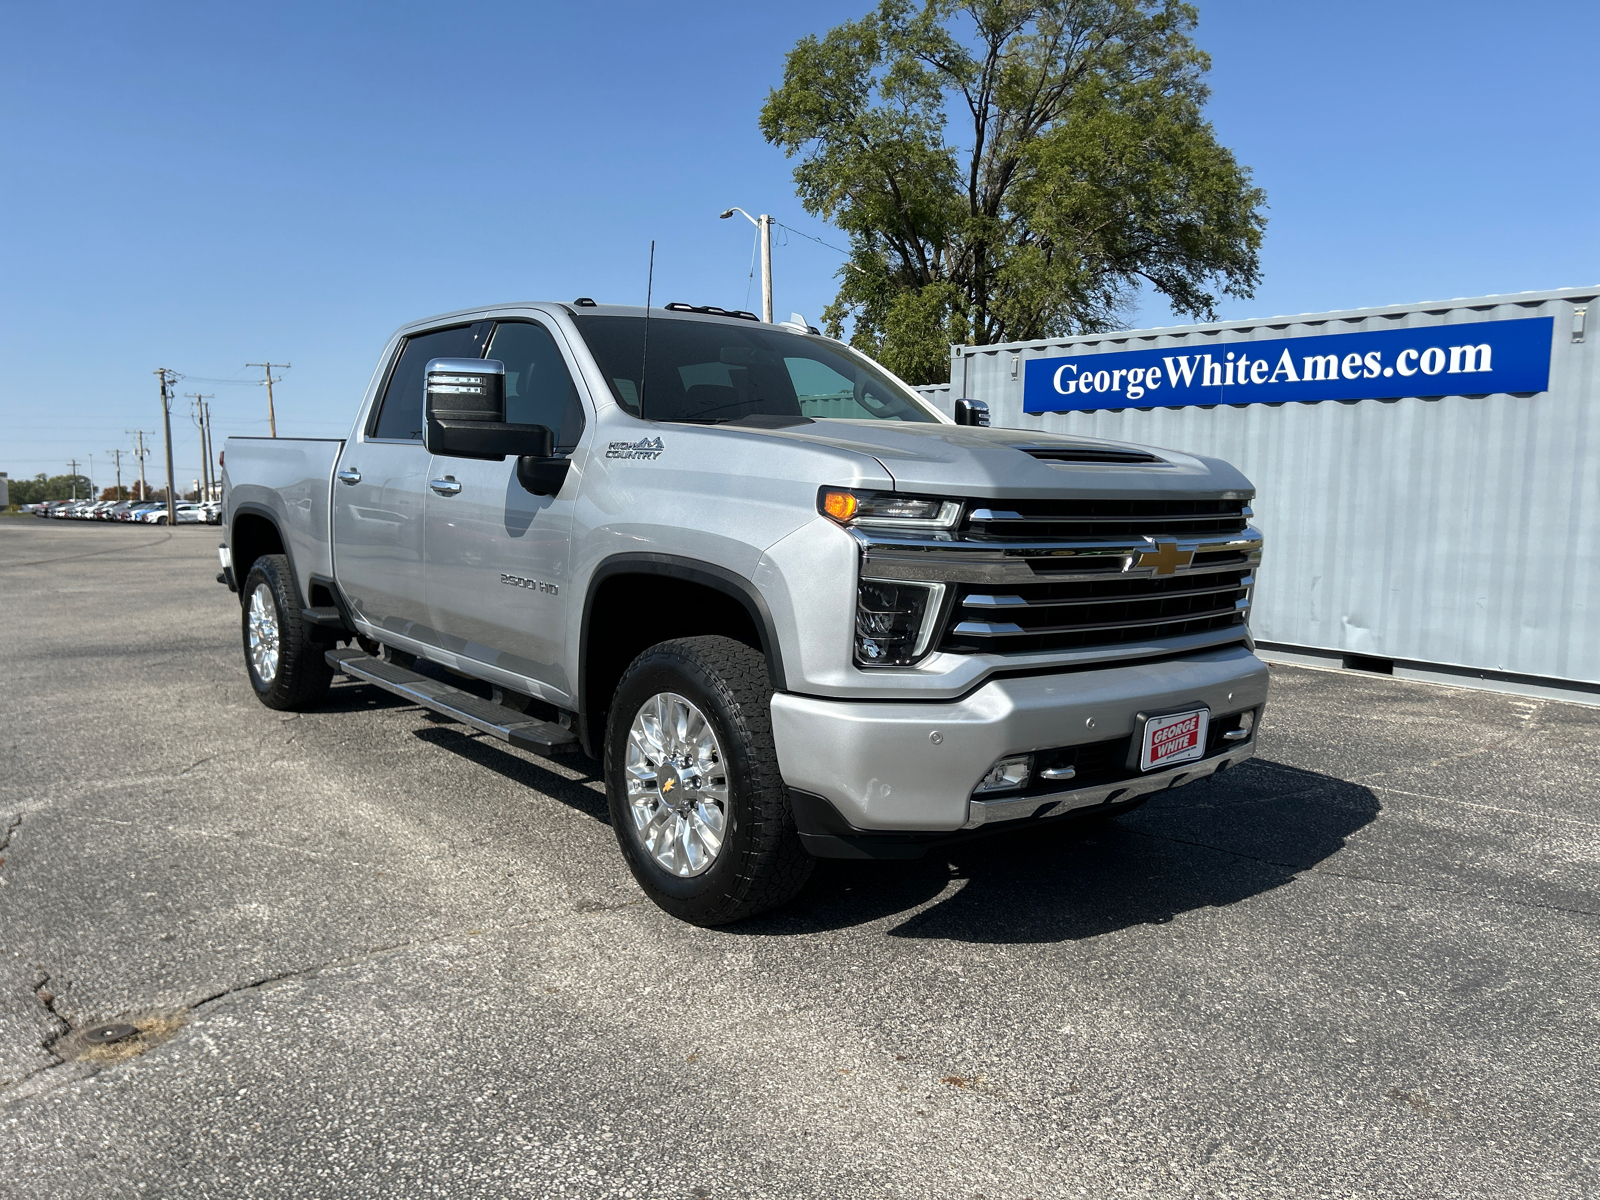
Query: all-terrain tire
[[300, 675], [761, 863]]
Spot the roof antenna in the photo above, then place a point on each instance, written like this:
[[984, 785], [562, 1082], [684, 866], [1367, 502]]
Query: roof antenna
[[644, 358]]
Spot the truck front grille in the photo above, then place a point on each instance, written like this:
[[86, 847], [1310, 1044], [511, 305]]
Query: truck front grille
[[1092, 575], [1069, 616]]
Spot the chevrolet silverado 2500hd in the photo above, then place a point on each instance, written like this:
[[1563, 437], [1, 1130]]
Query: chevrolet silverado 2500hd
[[795, 610]]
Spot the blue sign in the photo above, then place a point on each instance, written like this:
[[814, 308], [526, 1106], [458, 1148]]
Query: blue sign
[[1440, 360]]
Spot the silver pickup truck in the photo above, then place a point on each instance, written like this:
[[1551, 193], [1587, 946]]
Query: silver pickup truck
[[793, 609]]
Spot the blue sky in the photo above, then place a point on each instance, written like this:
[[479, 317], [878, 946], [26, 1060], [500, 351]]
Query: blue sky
[[203, 186]]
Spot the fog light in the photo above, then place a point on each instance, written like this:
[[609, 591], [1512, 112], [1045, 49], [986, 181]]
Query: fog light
[[1007, 775], [1247, 722]]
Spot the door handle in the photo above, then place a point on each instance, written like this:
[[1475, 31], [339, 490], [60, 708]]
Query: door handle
[[446, 486], [349, 475]]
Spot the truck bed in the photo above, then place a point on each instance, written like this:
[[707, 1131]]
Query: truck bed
[[288, 480]]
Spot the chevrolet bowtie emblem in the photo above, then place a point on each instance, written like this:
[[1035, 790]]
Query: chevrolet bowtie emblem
[[1165, 558], [667, 786]]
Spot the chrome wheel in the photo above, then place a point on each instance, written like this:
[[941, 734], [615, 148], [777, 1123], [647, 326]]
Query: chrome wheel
[[677, 785], [262, 624]]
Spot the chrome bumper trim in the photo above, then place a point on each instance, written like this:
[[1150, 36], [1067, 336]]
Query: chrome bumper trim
[[988, 812], [963, 560]]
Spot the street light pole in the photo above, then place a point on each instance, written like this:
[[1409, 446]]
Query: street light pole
[[764, 224]]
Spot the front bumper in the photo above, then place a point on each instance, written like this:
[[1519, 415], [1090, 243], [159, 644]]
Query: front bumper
[[911, 767]]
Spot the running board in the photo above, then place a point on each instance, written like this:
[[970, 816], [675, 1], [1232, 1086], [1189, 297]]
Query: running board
[[507, 724]]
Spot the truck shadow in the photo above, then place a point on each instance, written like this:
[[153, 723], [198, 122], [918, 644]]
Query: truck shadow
[[1212, 844], [488, 753]]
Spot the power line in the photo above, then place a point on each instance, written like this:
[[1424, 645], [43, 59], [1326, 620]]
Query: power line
[[808, 237]]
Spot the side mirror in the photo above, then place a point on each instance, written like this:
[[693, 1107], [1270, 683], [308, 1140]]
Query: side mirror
[[465, 412], [972, 412]]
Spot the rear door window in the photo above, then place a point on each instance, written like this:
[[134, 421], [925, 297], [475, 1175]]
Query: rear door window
[[400, 414]]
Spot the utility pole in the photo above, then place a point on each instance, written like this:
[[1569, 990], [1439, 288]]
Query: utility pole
[[72, 471], [272, 418], [168, 377], [211, 450], [116, 457], [764, 224], [144, 489], [199, 415]]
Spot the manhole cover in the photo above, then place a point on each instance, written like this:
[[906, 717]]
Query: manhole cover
[[102, 1035]]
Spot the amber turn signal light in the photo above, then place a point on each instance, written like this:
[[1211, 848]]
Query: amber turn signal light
[[841, 506]]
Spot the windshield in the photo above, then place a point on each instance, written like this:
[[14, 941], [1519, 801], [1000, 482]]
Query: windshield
[[716, 371]]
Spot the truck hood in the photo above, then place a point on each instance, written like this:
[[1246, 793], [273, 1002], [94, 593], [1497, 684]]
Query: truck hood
[[962, 460]]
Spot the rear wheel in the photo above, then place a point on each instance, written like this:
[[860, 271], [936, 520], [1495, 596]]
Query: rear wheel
[[697, 802], [285, 659]]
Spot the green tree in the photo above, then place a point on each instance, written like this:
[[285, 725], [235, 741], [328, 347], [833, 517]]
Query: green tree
[[48, 487], [1081, 167]]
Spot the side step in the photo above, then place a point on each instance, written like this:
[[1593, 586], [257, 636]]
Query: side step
[[507, 724]]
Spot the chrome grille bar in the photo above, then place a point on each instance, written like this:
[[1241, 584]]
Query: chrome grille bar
[[980, 600], [1005, 628]]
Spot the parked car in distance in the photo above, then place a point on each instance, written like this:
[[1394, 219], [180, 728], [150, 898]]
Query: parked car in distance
[[188, 513]]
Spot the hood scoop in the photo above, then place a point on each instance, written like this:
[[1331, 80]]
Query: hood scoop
[[1087, 454]]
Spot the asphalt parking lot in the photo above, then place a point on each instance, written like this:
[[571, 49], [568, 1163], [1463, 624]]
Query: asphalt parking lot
[[374, 954]]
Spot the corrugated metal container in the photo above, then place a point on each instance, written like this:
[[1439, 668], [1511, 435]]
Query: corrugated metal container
[[1458, 532]]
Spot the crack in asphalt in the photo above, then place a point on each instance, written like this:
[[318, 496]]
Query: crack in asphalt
[[1515, 812], [1313, 869], [41, 562], [579, 910], [5, 840], [200, 762]]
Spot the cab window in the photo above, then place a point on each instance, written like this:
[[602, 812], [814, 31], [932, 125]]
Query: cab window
[[400, 415]]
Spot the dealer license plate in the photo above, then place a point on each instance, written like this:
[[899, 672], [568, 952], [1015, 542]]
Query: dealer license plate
[[1173, 739]]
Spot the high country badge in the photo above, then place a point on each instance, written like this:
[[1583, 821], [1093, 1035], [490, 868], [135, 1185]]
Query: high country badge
[[648, 448]]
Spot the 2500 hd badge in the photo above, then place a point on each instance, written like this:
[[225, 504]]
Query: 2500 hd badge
[[533, 585]]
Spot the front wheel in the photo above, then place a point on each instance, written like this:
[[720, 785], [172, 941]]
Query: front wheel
[[287, 663], [698, 805]]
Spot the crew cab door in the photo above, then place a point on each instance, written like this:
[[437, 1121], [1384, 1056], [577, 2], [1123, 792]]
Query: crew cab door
[[379, 530], [498, 556]]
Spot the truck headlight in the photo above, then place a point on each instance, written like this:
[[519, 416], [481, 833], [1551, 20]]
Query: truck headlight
[[895, 621], [888, 510]]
